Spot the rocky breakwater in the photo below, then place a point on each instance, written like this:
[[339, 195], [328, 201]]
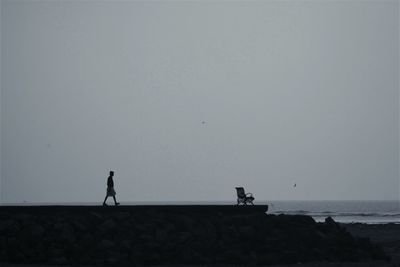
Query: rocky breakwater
[[129, 235]]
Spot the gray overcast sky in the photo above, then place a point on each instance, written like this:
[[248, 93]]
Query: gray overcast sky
[[290, 92]]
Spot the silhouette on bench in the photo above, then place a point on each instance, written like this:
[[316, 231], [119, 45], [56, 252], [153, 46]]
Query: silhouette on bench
[[244, 198]]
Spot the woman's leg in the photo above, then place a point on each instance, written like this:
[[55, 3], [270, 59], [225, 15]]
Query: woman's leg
[[115, 201]]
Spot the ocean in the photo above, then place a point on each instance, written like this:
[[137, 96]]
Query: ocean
[[369, 212]]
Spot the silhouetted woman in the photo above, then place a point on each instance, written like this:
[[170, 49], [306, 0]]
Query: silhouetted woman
[[110, 189]]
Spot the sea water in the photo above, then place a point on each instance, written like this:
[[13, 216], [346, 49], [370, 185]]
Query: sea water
[[370, 212]]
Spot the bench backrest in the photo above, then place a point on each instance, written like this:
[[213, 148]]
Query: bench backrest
[[240, 192]]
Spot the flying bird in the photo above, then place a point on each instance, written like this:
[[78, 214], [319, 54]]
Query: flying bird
[[294, 185]]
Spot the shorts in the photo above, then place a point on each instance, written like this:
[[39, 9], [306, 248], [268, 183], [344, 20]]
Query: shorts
[[111, 192]]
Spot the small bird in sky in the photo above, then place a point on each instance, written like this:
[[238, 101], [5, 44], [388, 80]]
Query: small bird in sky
[[203, 122], [294, 185]]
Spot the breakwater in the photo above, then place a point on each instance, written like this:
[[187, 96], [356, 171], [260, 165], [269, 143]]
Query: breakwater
[[148, 235]]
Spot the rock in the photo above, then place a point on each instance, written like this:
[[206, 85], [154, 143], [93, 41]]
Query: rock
[[25, 236], [331, 224], [96, 215], [169, 227], [106, 244], [136, 254], [126, 244], [59, 261], [146, 237], [125, 224], [320, 234], [3, 255], [87, 240], [37, 232], [23, 217], [152, 257], [211, 230], [303, 220], [31, 235], [76, 250], [68, 234], [84, 258], [186, 255], [12, 243], [16, 256], [112, 261], [161, 235], [58, 226], [4, 225], [188, 222], [107, 225], [55, 253], [140, 228], [184, 237], [122, 215], [3, 242], [79, 226], [247, 231], [150, 247], [13, 229]]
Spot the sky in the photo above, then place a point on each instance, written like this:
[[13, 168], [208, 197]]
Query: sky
[[186, 100]]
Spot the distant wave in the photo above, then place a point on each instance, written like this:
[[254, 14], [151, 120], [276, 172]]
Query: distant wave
[[359, 214], [370, 212], [349, 217], [291, 212], [329, 213]]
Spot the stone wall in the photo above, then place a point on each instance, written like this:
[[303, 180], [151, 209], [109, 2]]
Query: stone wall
[[127, 235]]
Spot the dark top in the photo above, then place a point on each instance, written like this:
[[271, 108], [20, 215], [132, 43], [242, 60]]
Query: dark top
[[110, 182]]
